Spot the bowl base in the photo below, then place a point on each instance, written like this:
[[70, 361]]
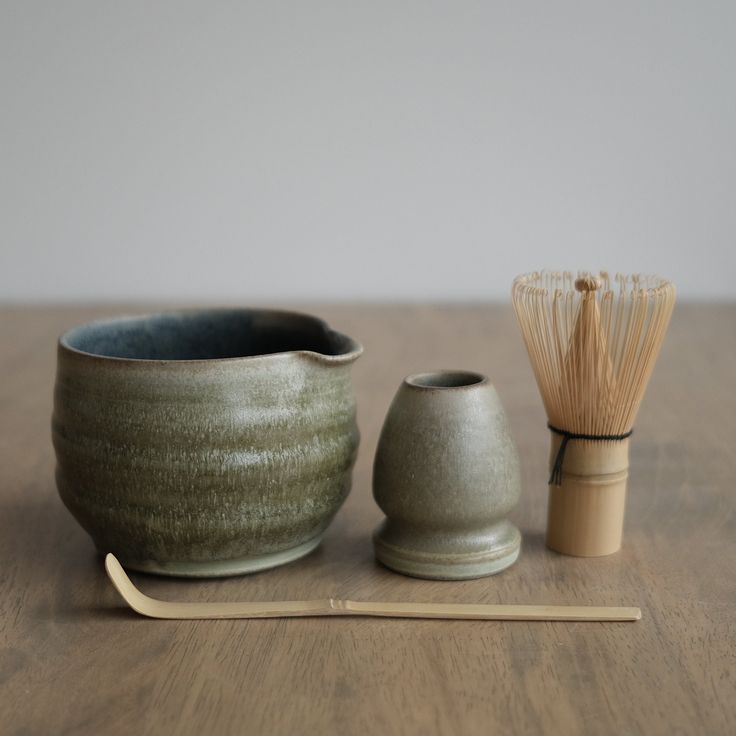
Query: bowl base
[[444, 566], [223, 568]]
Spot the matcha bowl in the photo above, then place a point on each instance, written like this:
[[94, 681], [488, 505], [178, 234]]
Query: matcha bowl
[[205, 443]]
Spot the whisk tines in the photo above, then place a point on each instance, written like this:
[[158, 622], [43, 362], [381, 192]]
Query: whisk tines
[[592, 341]]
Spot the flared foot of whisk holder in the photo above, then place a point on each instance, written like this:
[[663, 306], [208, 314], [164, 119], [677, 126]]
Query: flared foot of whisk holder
[[585, 516]]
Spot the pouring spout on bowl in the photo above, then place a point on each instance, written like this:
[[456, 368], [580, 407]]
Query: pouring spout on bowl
[[342, 349]]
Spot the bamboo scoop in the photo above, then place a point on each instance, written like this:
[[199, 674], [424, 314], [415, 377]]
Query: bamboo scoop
[[332, 607]]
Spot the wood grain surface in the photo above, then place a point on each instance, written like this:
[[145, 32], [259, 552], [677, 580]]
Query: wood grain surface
[[74, 661]]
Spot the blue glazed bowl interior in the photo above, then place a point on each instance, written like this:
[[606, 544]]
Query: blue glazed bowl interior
[[208, 335]]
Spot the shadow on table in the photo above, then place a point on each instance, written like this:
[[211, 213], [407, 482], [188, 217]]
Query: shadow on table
[[52, 566], [56, 563], [532, 540]]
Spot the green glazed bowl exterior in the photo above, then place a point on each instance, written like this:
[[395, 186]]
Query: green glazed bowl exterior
[[212, 465]]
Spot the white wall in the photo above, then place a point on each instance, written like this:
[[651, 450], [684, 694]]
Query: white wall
[[377, 149]]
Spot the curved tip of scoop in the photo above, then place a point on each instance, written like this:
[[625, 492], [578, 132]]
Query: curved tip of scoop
[[112, 565], [124, 586], [116, 574]]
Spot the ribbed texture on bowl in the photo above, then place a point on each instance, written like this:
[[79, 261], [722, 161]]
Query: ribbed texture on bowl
[[206, 461]]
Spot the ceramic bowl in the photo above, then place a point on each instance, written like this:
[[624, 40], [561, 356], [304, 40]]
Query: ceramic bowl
[[205, 443]]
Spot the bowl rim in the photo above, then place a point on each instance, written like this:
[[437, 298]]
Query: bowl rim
[[354, 352]]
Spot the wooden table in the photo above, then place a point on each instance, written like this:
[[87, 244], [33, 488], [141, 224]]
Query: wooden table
[[72, 660]]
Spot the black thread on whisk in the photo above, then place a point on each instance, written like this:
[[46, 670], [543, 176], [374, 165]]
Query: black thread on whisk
[[555, 477]]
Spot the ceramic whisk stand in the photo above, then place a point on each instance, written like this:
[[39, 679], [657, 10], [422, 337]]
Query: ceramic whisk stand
[[446, 473]]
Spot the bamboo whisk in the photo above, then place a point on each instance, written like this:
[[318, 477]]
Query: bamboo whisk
[[592, 342]]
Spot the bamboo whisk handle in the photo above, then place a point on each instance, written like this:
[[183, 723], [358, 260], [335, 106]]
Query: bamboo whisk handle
[[585, 515]]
